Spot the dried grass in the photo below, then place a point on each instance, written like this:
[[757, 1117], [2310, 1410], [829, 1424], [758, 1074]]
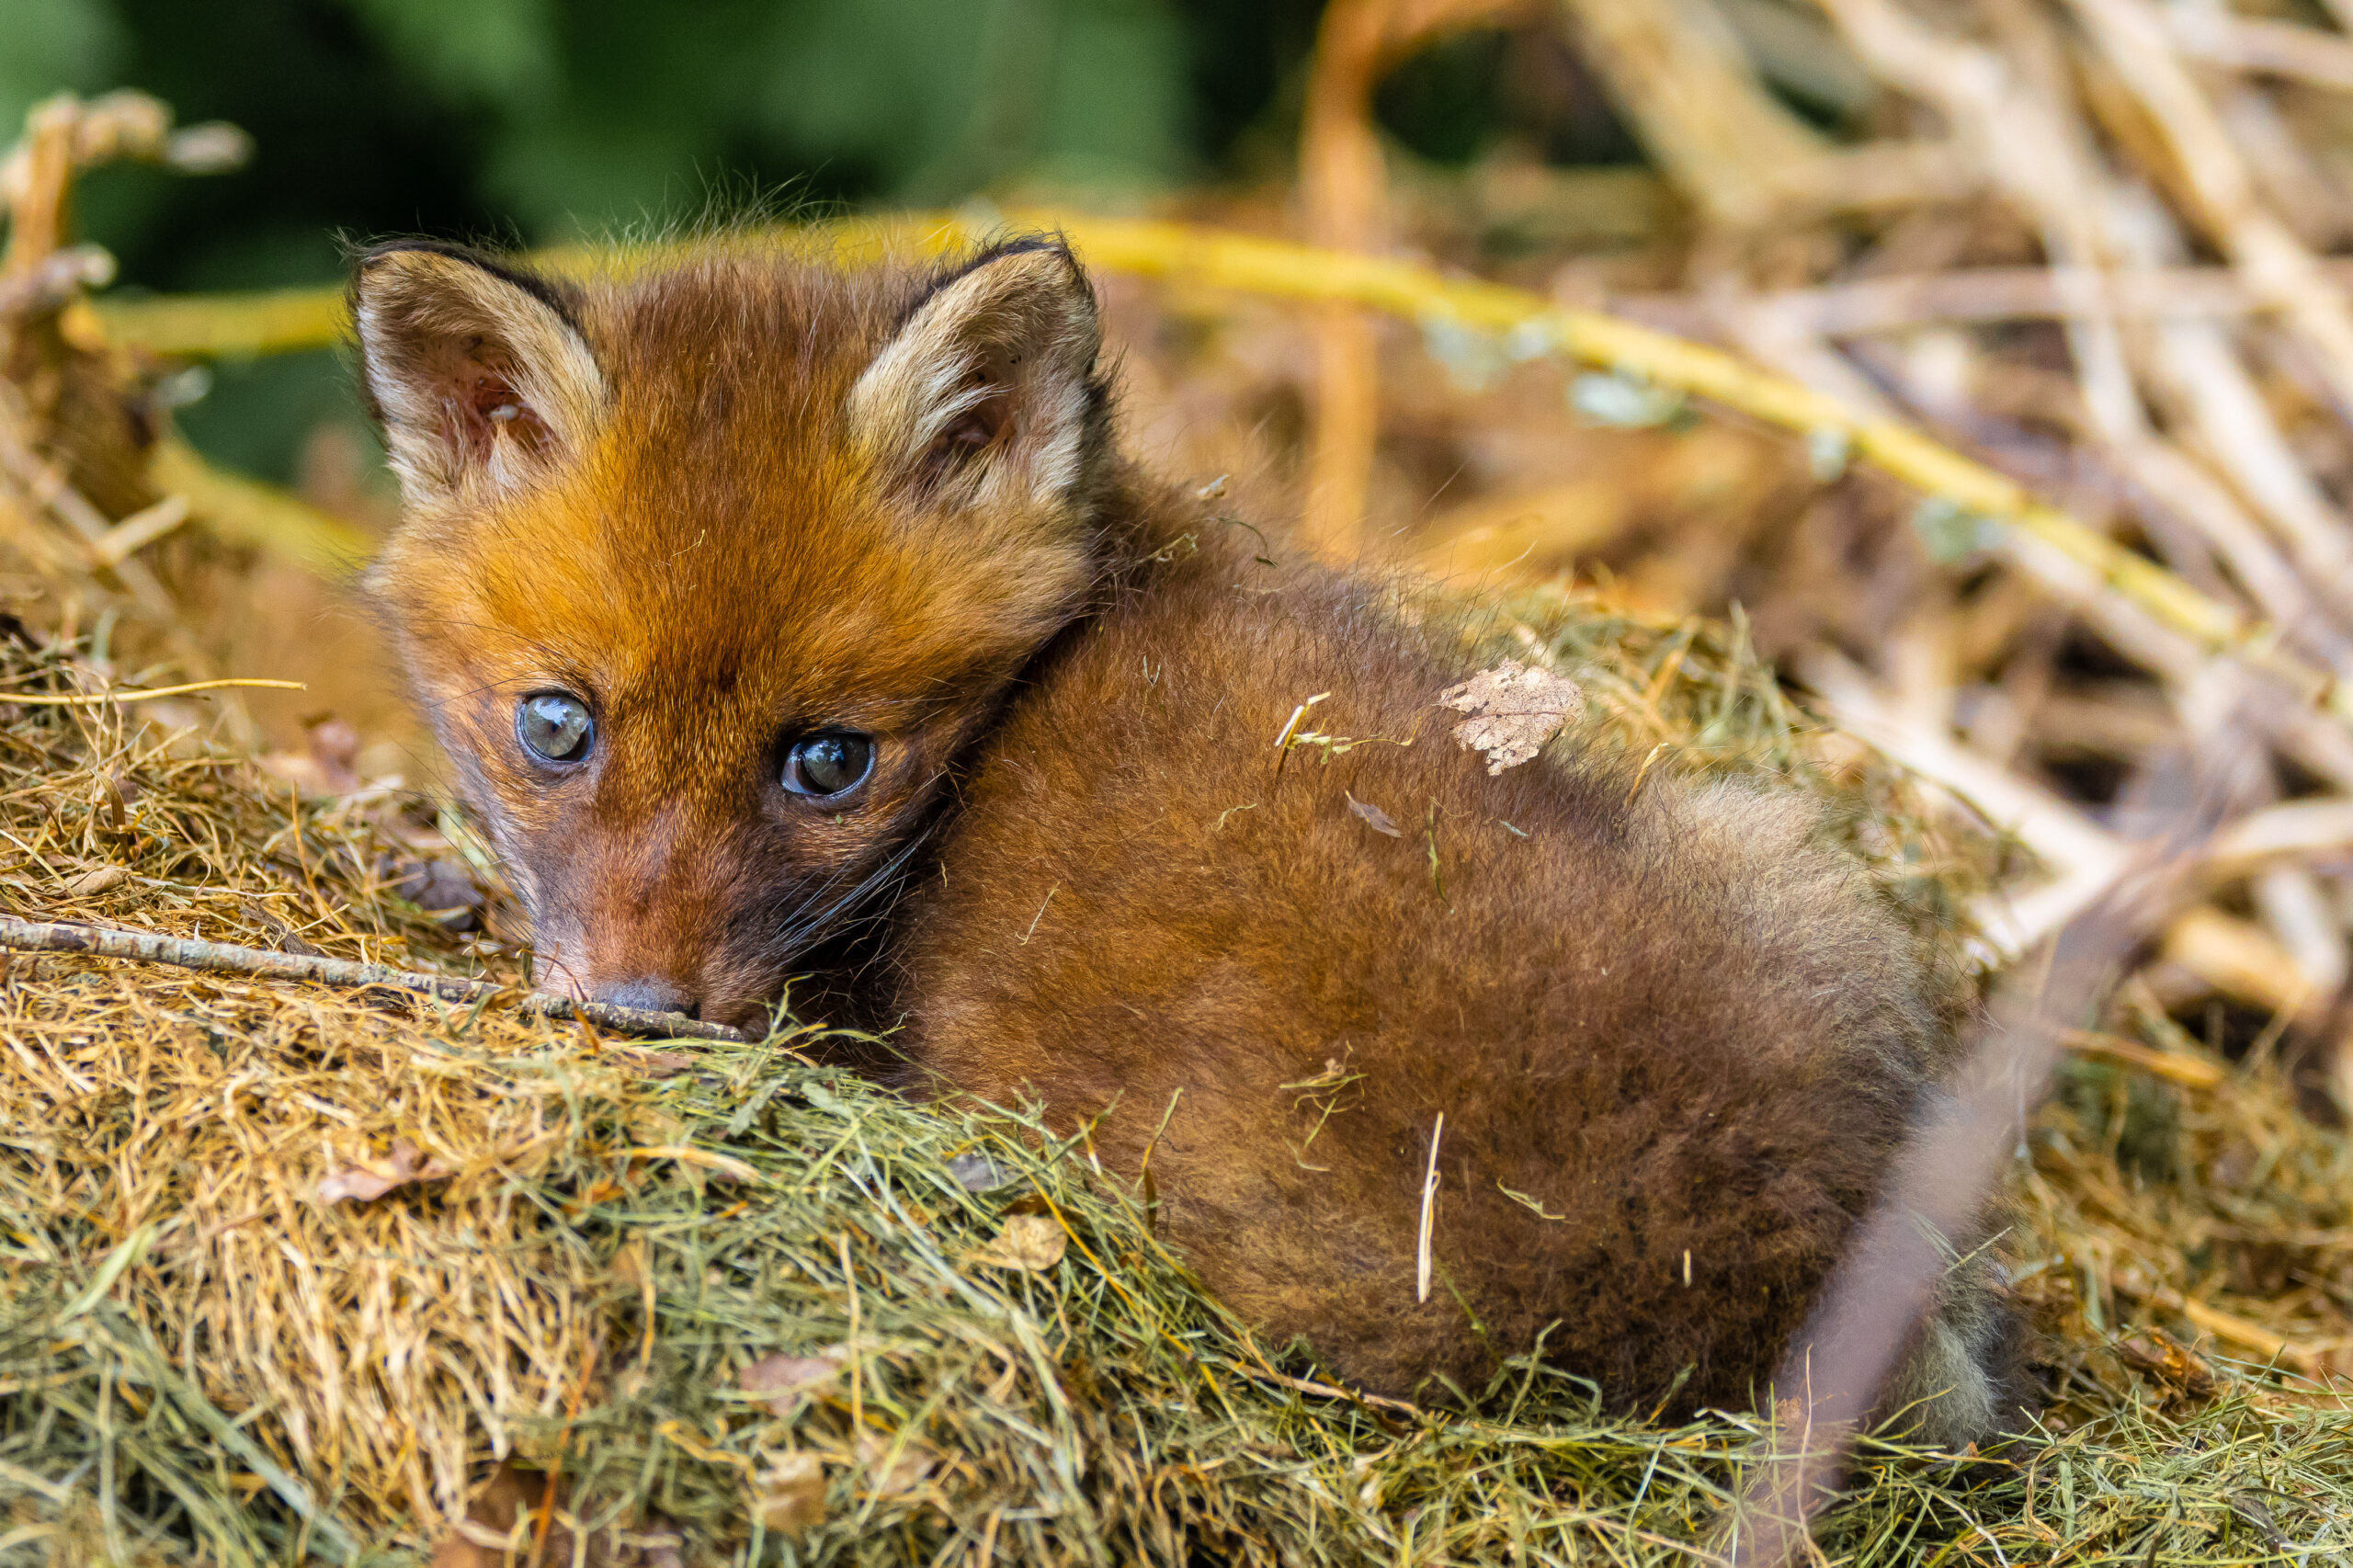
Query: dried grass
[[583, 1247], [203, 1361]]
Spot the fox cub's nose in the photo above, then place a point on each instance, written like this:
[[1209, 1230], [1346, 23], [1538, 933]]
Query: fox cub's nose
[[650, 996]]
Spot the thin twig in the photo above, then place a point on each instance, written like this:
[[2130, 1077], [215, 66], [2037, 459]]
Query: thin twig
[[1430, 1215], [139, 530], [1331, 1391], [220, 957], [2260, 45], [47, 487], [2273, 262], [1687, 88]]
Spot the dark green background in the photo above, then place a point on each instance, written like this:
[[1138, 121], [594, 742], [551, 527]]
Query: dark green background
[[533, 120]]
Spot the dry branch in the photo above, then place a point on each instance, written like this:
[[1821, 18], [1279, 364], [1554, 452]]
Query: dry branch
[[1682, 78], [1344, 185], [2273, 262], [101, 698], [1211, 258], [220, 958]]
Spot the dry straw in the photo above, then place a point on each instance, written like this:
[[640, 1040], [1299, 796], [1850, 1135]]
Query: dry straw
[[722, 1284], [299, 1272]]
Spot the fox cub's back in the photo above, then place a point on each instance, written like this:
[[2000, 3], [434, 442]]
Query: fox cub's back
[[1675, 1043]]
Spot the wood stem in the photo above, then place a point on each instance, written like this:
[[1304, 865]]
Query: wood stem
[[222, 958], [2048, 542]]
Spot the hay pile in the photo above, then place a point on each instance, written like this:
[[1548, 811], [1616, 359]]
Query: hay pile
[[753, 1309], [295, 1273]]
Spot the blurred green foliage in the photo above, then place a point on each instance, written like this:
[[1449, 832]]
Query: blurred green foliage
[[46, 44], [540, 120], [543, 119], [534, 120]]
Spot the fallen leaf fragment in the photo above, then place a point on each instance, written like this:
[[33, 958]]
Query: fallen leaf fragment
[[445, 888], [975, 1172], [1033, 1242], [1375, 818], [367, 1178], [789, 1495], [116, 805], [652, 1063], [782, 1380], [2158, 1356], [95, 881], [1514, 709], [889, 1476], [498, 1529]]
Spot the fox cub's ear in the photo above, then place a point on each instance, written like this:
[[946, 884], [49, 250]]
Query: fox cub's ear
[[479, 376], [990, 385]]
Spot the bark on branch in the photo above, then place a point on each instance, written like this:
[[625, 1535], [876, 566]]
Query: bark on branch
[[222, 958]]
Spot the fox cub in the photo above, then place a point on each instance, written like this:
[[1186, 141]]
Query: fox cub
[[780, 618]]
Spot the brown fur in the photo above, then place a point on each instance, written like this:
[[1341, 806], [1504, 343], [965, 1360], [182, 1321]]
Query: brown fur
[[1675, 1043]]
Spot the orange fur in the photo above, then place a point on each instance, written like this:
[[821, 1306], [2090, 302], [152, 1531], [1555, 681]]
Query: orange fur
[[1675, 1041]]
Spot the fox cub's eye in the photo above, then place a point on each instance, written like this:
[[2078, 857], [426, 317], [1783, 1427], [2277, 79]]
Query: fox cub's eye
[[831, 764], [554, 726]]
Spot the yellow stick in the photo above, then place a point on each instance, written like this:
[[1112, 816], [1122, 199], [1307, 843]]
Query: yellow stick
[[100, 699], [1246, 264], [228, 326], [246, 511]]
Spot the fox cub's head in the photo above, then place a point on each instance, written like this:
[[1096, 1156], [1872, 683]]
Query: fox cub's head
[[706, 577]]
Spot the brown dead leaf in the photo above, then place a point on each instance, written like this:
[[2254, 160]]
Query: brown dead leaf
[[650, 1063], [280, 933], [1514, 709], [785, 1381], [1374, 817], [789, 1495], [369, 1177], [1034, 1243], [95, 881], [445, 888], [891, 1476], [498, 1529], [327, 764], [2158, 1356]]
